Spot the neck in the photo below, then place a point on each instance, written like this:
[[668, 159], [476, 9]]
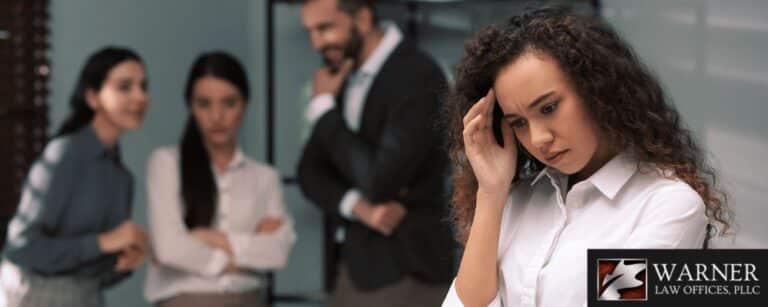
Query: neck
[[221, 155], [106, 132], [599, 159], [371, 41]]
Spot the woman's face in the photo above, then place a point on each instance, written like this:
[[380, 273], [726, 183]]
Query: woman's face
[[122, 99], [548, 117], [217, 106]]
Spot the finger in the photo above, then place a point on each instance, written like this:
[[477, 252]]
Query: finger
[[320, 72], [130, 254], [490, 103], [389, 218], [394, 218], [386, 230], [397, 212], [391, 228], [473, 125], [137, 250], [400, 207], [473, 111], [473, 131], [393, 221], [346, 67], [143, 233], [120, 265], [138, 261], [385, 223], [143, 246], [380, 222]]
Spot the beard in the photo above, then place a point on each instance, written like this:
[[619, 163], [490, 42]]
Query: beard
[[349, 50]]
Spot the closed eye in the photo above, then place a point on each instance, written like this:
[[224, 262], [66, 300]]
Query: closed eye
[[518, 123]]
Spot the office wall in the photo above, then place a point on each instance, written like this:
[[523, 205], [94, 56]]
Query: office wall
[[711, 58]]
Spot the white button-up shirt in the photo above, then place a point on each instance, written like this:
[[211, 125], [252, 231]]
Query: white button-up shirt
[[546, 230], [248, 191]]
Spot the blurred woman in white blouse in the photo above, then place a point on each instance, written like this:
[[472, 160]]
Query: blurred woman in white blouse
[[217, 217], [563, 142]]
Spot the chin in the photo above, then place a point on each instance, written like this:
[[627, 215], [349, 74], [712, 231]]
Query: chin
[[565, 169], [222, 141], [132, 121], [130, 126]]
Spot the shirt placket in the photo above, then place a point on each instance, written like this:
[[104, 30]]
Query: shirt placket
[[543, 252], [223, 184], [355, 99]]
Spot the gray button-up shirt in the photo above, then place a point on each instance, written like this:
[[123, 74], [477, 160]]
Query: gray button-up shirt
[[76, 190]]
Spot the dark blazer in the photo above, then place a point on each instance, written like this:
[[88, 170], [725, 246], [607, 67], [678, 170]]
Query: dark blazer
[[397, 154]]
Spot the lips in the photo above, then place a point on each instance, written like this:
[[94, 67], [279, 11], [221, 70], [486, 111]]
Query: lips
[[135, 114], [555, 157]]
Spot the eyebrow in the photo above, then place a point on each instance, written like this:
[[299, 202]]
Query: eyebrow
[[533, 104], [318, 26]]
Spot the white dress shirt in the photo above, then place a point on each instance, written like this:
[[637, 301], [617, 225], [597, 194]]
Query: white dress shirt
[[358, 84], [248, 191], [546, 230]]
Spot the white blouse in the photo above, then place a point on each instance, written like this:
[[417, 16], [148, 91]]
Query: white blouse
[[545, 232], [248, 191]]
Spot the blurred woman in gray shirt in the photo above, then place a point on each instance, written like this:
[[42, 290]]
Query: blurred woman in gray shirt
[[72, 235]]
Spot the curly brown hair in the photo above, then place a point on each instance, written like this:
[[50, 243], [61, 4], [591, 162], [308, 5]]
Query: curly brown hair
[[626, 101]]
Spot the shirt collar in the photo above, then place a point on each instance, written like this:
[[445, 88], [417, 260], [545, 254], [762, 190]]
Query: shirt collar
[[392, 37], [553, 174], [541, 174], [92, 146], [238, 160], [609, 179]]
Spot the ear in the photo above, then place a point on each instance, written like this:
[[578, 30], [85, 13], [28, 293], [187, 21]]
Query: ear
[[364, 20], [92, 99]]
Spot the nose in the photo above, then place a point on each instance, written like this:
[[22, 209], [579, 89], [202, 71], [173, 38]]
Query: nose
[[141, 96], [541, 136], [217, 113]]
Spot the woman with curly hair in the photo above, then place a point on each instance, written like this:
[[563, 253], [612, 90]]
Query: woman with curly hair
[[563, 141]]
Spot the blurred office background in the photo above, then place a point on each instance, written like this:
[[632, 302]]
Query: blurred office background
[[711, 56]]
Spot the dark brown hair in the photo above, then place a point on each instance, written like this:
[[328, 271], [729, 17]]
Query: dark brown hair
[[625, 100], [198, 184], [92, 77], [351, 7]]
